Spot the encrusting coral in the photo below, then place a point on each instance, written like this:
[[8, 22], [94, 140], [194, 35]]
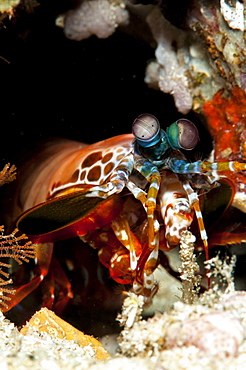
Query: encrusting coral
[[207, 334], [195, 63], [97, 17], [171, 70]]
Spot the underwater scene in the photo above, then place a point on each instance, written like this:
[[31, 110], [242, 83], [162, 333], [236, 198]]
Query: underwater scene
[[123, 184]]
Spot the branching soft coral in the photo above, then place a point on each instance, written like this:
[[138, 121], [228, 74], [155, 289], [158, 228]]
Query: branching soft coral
[[7, 174], [11, 246], [17, 247]]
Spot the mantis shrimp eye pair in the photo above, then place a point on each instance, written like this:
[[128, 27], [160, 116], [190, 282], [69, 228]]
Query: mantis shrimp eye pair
[[182, 134]]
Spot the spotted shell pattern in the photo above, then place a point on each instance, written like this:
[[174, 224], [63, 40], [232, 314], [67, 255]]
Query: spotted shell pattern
[[96, 167]]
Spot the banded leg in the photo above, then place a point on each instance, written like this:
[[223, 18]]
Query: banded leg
[[194, 202], [112, 254], [123, 233], [152, 175], [142, 263], [118, 249], [176, 209], [137, 192], [184, 167], [146, 286]]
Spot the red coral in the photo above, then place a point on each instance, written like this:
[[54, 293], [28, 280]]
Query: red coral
[[226, 118]]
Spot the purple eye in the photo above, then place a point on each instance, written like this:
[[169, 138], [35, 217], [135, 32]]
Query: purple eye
[[146, 130], [182, 134], [188, 134]]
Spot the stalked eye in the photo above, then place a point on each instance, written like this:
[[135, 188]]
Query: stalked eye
[[182, 134], [146, 130]]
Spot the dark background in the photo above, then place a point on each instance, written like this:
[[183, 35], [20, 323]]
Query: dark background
[[88, 90], [52, 86]]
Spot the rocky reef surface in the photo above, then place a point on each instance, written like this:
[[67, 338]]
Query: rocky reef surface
[[209, 334], [71, 67]]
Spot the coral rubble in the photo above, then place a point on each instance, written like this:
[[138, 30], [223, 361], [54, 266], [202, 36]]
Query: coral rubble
[[40, 349], [45, 321], [208, 336]]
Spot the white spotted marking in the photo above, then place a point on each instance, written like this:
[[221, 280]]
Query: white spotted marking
[[154, 185], [214, 166], [203, 234], [231, 166], [123, 235], [199, 214], [151, 199]]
